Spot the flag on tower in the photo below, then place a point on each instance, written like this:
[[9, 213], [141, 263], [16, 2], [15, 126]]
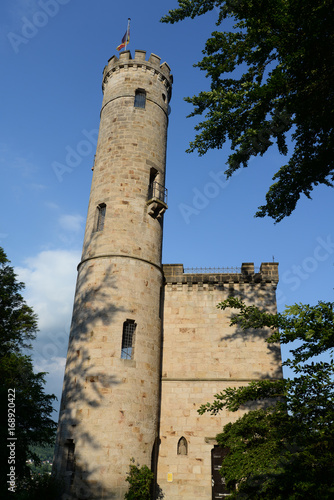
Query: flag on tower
[[125, 39]]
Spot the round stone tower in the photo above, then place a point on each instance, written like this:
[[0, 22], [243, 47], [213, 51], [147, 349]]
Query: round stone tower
[[110, 403]]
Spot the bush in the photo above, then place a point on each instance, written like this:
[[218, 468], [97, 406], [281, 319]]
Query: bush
[[41, 487], [141, 481]]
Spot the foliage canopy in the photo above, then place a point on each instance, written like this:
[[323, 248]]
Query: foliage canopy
[[33, 408], [140, 480], [270, 76], [285, 448]]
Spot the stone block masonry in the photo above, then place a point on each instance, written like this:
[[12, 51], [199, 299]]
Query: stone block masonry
[[203, 355], [147, 344], [111, 394]]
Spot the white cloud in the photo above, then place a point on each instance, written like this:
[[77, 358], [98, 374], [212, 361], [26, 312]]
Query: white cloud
[[51, 205], [70, 228], [55, 366], [54, 379], [72, 223], [26, 167], [50, 284]]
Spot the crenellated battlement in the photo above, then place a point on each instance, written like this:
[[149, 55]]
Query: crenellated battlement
[[268, 273], [125, 62]]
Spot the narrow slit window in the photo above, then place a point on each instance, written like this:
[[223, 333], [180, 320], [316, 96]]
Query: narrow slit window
[[161, 302], [101, 214], [70, 455], [140, 98], [129, 327], [182, 446]]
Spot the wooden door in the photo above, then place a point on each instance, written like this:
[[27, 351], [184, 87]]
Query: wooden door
[[219, 489]]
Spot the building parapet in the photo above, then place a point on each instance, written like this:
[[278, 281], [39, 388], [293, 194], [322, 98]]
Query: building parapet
[[247, 273], [125, 61]]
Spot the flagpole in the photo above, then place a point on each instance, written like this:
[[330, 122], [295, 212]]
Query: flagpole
[[127, 33]]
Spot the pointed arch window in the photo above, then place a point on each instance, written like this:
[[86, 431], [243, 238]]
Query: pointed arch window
[[140, 99], [182, 446], [101, 214], [129, 327]]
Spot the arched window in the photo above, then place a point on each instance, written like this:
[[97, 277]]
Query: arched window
[[153, 175], [101, 214], [129, 327], [182, 446], [152, 183], [140, 98]]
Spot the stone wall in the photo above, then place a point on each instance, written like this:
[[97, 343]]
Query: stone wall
[[110, 405], [109, 408], [203, 355]]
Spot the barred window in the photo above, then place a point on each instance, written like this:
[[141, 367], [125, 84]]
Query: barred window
[[101, 214], [140, 98], [129, 327]]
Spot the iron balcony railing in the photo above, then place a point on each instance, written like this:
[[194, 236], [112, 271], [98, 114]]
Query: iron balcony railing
[[215, 270], [157, 191], [212, 270]]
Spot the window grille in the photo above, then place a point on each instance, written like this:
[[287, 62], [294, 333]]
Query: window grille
[[129, 327], [101, 214], [140, 98]]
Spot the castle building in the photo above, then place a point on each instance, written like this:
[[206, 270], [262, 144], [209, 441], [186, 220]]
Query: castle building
[[147, 344]]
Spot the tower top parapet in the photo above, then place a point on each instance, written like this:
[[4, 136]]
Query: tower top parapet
[[268, 273], [125, 62]]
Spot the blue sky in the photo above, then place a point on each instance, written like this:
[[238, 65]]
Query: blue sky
[[53, 53]]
